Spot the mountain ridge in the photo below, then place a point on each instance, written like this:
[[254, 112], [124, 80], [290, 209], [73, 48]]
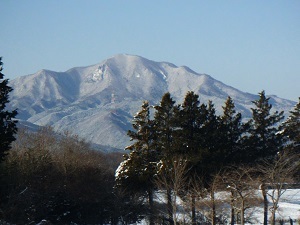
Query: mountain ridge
[[98, 102]]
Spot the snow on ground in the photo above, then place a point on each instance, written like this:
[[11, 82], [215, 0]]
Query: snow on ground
[[289, 207]]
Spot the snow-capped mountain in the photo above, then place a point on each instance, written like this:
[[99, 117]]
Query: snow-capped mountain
[[98, 102]]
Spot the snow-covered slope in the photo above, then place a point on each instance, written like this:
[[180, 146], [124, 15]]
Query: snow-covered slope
[[99, 101]]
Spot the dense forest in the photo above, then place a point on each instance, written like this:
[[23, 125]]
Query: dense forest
[[181, 158]]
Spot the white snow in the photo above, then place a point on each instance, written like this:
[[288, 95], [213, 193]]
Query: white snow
[[289, 207], [81, 98]]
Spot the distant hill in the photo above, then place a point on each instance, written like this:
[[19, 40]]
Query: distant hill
[[98, 102]]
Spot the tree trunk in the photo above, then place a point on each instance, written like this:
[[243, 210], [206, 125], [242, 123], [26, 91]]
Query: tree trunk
[[232, 208], [213, 208], [193, 210], [273, 218], [243, 212], [273, 215], [151, 205], [170, 207], [266, 203]]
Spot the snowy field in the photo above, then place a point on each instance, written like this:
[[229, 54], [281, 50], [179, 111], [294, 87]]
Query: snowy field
[[289, 208]]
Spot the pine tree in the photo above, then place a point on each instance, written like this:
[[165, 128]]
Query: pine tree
[[8, 127], [264, 140], [211, 153], [291, 128], [165, 127], [211, 145], [189, 119], [231, 131], [219, 144], [136, 173]]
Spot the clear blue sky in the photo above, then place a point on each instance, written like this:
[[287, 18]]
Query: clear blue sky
[[251, 45]]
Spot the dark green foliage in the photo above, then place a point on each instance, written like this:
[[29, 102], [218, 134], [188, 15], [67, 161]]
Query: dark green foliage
[[189, 121], [264, 138], [291, 128], [206, 141], [191, 135], [165, 126], [199, 136], [211, 156], [220, 138], [291, 133], [8, 126], [231, 131], [136, 173], [210, 130], [139, 164]]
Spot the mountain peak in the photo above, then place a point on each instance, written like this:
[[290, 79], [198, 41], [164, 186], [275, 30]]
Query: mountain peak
[[126, 59], [82, 99]]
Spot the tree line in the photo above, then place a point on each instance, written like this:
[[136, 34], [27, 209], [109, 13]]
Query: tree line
[[58, 178], [188, 151]]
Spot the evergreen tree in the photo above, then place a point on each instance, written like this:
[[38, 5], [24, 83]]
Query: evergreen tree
[[264, 140], [211, 143], [136, 173], [231, 131], [8, 127], [218, 142], [165, 127], [189, 119], [211, 153], [291, 128]]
